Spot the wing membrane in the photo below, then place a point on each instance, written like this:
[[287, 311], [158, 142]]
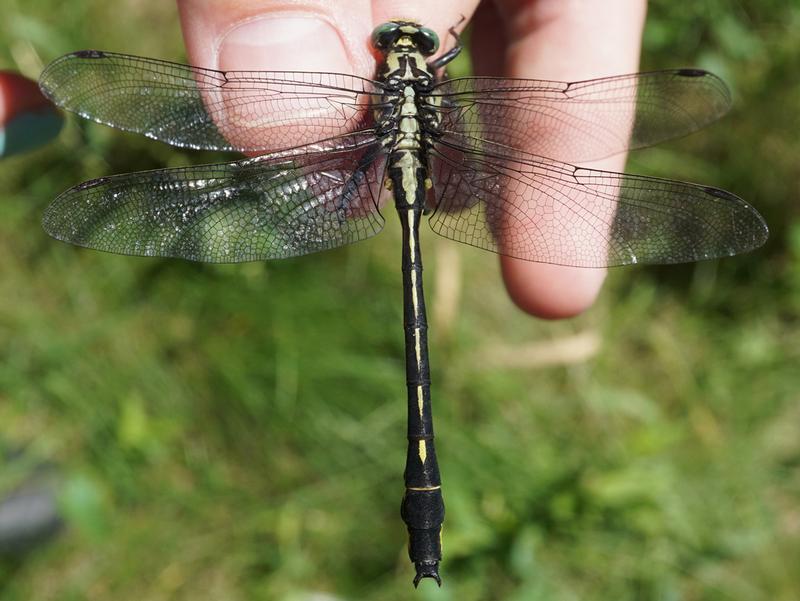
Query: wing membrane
[[247, 111], [552, 212], [580, 121], [249, 210]]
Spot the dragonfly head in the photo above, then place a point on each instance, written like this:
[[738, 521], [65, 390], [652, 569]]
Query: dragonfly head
[[405, 35]]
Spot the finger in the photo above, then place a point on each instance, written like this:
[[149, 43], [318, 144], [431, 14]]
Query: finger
[[311, 35], [27, 119], [267, 35], [566, 41]]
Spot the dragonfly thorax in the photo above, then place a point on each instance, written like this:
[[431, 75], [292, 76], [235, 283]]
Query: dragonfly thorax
[[405, 47]]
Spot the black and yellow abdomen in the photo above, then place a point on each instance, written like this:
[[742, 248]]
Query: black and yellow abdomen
[[407, 77]]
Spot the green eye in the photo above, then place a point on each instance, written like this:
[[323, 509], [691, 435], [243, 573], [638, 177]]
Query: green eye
[[382, 35], [429, 41]]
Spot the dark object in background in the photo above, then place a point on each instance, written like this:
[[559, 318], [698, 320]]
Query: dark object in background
[[29, 515]]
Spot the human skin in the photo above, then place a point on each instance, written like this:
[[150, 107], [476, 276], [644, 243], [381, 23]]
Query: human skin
[[27, 119], [566, 40]]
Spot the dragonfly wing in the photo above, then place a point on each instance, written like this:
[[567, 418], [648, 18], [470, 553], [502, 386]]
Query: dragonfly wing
[[250, 210], [552, 212], [580, 121], [247, 111]]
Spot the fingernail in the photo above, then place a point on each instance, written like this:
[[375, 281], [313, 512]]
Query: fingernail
[[283, 44], [28, 130]]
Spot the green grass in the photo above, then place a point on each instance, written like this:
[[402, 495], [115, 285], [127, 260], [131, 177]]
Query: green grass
[[238, 432]]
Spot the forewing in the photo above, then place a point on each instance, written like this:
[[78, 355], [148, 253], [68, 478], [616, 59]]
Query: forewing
[[247, 111], [580, 121], [552, 212], [249, 210]]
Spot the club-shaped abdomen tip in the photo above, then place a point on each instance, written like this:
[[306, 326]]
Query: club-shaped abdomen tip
[[427, 569]]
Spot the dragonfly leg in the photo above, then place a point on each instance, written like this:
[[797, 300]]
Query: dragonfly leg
[[454, 51], [350, 190]]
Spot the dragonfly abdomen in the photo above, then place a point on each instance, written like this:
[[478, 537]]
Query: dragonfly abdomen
[[422, 508]]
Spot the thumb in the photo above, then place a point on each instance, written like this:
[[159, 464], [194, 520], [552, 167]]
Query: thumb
[[264, 35], [271, 36]]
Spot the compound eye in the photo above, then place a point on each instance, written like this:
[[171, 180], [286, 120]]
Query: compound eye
[[384, 35], [428, 41]]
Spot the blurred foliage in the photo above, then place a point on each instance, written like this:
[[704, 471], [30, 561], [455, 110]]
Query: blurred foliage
[[238, 432]]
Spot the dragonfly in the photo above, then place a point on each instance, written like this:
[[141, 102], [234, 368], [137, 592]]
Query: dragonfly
[[488, 161]]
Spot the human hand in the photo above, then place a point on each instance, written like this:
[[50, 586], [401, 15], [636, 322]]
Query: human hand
[[27, 119], [565, 40]]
